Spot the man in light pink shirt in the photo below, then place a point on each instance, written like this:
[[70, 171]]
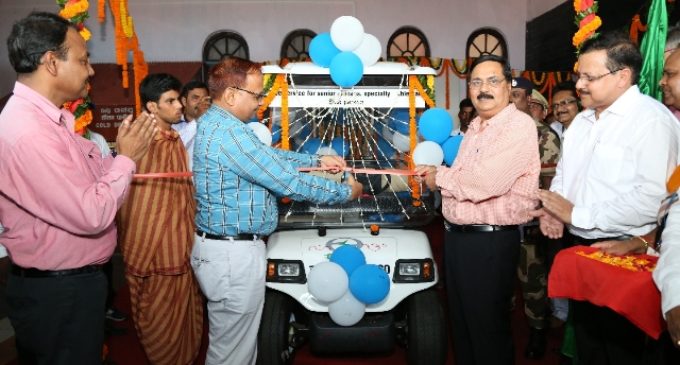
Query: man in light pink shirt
[[58, 196], [487, 192]]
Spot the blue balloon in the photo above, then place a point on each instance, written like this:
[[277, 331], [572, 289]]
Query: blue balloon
[[340, 146], [400, 120], [450, 147], [435, 125], [369, 284], [349, 257], [311, 146], [322, 50], [346, 69], [276, 133]]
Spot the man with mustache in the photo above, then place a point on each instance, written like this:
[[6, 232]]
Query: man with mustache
[[486, 194], [156, 236], [520, 93], [565, 104], [58, 196], [616, 158]]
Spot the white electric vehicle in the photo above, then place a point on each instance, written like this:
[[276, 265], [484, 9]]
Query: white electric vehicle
[[384, 223]]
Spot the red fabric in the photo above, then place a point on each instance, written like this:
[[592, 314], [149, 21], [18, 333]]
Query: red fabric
[[632, 294]]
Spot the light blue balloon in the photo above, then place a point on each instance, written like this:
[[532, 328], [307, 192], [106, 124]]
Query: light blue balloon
[[435, 125], [450, 147], [400, 121], [322, 50], [349, 257], [340, 146], [369, 284], [346, 69]]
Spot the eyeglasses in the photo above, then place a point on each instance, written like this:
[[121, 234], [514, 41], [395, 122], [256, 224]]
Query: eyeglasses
[[493, 82], [589, 78], [257, 96], [563, 103]]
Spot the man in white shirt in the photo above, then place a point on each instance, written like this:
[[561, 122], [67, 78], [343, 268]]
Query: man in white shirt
[[667, 273], [610, 181], [195, 100]]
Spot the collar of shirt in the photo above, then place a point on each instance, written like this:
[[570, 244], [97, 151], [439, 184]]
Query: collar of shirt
[[476, 123], [170, 134], [622, 106], [52, 112]]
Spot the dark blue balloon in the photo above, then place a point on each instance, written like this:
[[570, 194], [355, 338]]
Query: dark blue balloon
[[346, 69], [450, 147], [435, 125], [369, 284], [311, 146], [400, 120], [349, 257], [322, 50], [339, 145], [385, 150], [276, 133]]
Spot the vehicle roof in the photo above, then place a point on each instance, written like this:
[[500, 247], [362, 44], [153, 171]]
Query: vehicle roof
[[380, 68]]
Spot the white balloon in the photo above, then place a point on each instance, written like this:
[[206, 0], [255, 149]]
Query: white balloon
[[262, 132], [369, 50], [347, 32], [428, 153], [326, 151], [401, 142], [346, 311], [327, 281]]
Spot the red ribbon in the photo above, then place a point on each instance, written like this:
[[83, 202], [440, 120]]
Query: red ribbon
[[157, 175], [363, 171]]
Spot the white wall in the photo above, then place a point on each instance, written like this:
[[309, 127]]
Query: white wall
[[538, 7], [174, 30]]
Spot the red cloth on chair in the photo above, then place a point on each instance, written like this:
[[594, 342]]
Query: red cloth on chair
[[629, 290]]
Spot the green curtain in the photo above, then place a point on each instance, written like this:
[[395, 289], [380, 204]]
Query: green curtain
[[652, 48]]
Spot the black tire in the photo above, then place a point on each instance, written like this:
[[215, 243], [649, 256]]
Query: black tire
[[426, 331], [273, 338]]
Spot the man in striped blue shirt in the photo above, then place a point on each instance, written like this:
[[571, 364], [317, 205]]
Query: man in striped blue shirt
[[237, 182]]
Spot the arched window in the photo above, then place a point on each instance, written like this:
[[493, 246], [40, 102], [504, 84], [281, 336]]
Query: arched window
[[220, 44], [296, 44], [408, 42], [486, 41]]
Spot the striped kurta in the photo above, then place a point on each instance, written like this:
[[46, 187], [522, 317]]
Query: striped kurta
[[156, 226]]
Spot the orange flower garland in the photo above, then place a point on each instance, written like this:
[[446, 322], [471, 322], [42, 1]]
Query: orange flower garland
[[586, 20], [76, 11], [126, 42]]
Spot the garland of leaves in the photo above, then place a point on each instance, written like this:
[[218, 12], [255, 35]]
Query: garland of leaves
[[76, 11]]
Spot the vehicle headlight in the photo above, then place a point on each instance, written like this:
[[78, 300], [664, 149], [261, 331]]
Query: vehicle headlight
[[413, 271], [286, 271]]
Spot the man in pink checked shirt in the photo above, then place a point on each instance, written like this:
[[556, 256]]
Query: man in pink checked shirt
[[488, 191], [58, 196]]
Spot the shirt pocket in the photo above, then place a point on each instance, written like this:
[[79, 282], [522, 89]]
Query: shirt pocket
[[607, 162]]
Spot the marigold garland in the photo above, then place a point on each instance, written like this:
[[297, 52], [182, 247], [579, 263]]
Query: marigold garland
[[586, 20], [76, 11]]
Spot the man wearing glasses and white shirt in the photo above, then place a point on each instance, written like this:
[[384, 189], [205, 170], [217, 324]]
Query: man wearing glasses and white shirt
[[616, 158]]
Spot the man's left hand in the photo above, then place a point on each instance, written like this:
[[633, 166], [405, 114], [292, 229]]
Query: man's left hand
[[333, 164], [673, 323], [557, 205]]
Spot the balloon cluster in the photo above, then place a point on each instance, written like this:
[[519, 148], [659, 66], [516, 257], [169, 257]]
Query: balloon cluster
[[435, 126], [346, 50], [347, 284]]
